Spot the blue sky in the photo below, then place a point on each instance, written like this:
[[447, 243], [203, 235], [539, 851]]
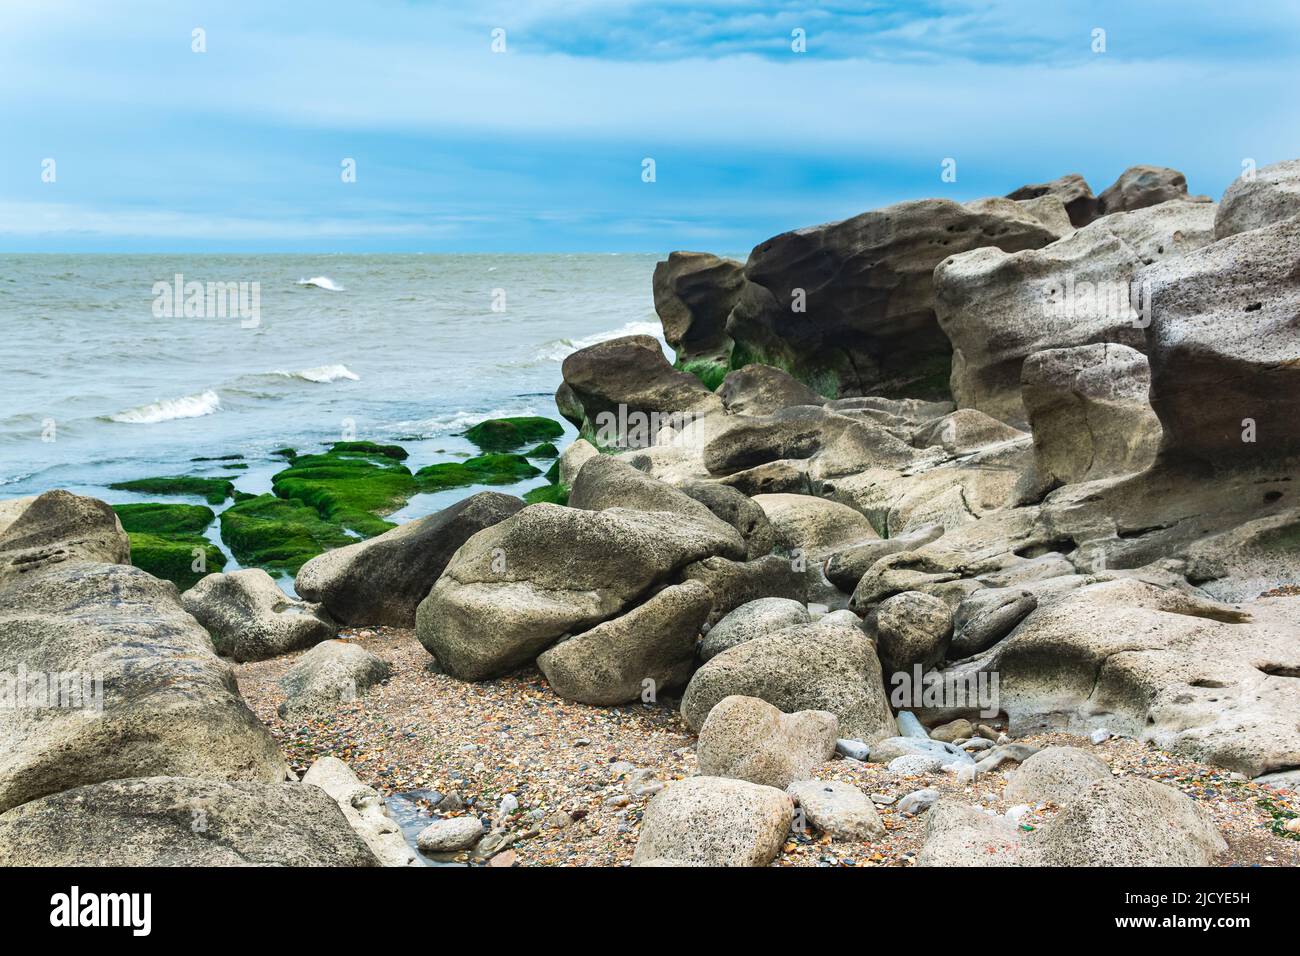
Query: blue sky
[[540, 148]]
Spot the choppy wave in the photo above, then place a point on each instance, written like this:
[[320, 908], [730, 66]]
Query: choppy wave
[[323, 374], [455, 421], [167, 409], [322, 282], [558, 350]]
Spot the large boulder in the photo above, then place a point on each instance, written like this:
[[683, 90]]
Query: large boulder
[[650, 648], [513, 589], [827, 666], [749, 739], [1071, 189], [381, 581], [330, 673], [627, 392], [845, 568], [998, 308], [814, 527], [986, 616], [364, 810], [1187, 674], [250, 619], [1089, 413], [713, 821], [762, 390], [1141, 186], [1223, 346], [693, 294], [738, 510], [183, 822], [912, 629], [58, 527], [1056, 774], [734, 583], [607, 481], [1270, 195], [751, 620], [1248, 560], [850, 304], [120, 682], [1131, 821]]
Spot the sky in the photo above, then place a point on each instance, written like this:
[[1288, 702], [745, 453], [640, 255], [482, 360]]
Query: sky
[[526, 126]]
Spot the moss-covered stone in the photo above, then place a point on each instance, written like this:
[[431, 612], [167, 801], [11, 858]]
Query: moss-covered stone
[[219, 458], [709, 373], [369, 448], [278, 534], [556, 494], [350, 485], [163, 518], [508, 434], [544, 450], [483, 470], [290, 453], [213, 490], [175, 557]]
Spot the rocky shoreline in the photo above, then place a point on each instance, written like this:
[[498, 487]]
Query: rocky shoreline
[[956, 535]]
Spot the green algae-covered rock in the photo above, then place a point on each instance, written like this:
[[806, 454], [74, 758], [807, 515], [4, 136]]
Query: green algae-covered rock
[[350, 485], [544, 450], [212, 490], [556, 494], [176, 557], [278, 534], [483, 470], [508, 434], [163, 518]]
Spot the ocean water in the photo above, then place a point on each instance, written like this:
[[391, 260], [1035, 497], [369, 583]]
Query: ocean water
[[101, 384]]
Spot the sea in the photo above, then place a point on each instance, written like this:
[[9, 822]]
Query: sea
[[130, 366]]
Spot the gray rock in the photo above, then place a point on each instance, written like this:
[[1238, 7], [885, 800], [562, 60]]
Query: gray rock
[[141, 690], [1272, 195], [738, 510], [909, 726], [1056, 774], [912, 628], [611, 663], [885, 750], [845, 568], [330, 673], [911, 764], [814, 527], [839, 810], [450, 835], [853, 749], [1004, 753], [383, 580], [513, 589], [804, 667], [573, 458], [1142, 186], [693, 294], [1073, 191], [713, 821], [755, 619], [987, 616], [182, 822], [762, 390], [1252, 373], [59, 527], [363, 809], [869, 325], [250, 619], [736, 583], [1088, 409], [749, 739], [918, 801]]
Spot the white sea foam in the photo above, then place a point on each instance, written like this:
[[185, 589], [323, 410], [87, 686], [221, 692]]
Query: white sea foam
[[167, 409], [323, 374], [322, 282], [455, 421], [560, 349]]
